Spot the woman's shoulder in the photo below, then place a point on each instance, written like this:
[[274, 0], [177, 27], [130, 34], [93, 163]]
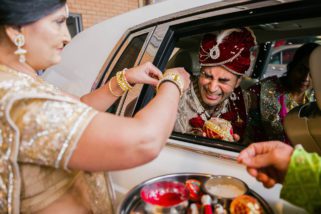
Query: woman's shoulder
[[14, 78], [273, 83], [270, 80], [11, 83], [16, 86], [8, 74]]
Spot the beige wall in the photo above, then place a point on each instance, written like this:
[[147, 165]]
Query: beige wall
[[95, 11]]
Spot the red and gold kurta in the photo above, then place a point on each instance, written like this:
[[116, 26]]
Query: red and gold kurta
[[192, 114]]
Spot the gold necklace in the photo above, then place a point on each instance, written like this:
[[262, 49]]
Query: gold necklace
[[291, 103]]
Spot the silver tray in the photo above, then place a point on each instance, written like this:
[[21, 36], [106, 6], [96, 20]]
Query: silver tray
[[132, 204]]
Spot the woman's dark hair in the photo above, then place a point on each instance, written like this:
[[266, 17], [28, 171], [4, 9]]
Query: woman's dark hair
[[297, 67], [23, 12]]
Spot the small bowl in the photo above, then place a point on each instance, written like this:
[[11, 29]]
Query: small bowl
[[225, 188], [165, 197]]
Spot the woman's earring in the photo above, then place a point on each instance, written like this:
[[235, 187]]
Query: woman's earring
[[19, 41]]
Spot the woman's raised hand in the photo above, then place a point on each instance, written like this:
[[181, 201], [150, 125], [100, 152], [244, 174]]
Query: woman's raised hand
[[146, 73]]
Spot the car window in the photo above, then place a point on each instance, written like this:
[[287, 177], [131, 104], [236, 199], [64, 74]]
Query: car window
[[186, 54], [273, 60], [287, 55], [130, 54], [127, 60], [282, 53], [278, 37], [276, 58]]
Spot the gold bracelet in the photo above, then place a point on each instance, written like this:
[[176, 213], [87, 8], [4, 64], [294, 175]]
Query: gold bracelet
[[111, 91], [122, 81], [174, 78], [125, 79]]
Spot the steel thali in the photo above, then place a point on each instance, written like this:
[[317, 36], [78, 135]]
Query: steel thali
[[133, 204]]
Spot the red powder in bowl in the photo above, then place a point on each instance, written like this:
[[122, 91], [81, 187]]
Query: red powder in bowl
[[164, 193]]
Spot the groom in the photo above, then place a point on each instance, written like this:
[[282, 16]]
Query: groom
[[224, 59]]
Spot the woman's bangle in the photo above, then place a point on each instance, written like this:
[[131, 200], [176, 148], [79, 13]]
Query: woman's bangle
[[174, 78], [111, 91], [125, 79], [122, 81]]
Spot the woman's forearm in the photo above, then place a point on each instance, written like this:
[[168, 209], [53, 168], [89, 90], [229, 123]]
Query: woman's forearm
[[137, 139], [102, 98], [162, 108]]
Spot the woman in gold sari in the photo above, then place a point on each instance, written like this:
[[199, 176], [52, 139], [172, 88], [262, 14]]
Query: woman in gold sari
[[54, 147]]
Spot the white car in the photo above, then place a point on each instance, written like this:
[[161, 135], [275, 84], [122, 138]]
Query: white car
[[280, 57], [168, 34]]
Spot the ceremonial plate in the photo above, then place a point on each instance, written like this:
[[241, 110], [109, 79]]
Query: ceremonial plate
[[133, 204]]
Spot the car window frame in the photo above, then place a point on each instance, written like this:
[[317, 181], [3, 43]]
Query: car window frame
[[107, 71], [184, 26]]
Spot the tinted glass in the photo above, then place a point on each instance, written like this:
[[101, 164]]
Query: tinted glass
[[127, 60]]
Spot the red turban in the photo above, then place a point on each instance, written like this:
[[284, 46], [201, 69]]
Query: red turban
[[231, 49]]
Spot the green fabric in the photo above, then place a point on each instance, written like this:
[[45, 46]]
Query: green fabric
[[302, 185]]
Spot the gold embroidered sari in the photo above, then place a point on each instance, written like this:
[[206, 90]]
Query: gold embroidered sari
[[39, 130]]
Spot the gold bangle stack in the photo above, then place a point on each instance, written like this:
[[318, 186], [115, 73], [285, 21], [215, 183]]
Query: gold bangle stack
[[111, 91], [122, 81], [174, 78]]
